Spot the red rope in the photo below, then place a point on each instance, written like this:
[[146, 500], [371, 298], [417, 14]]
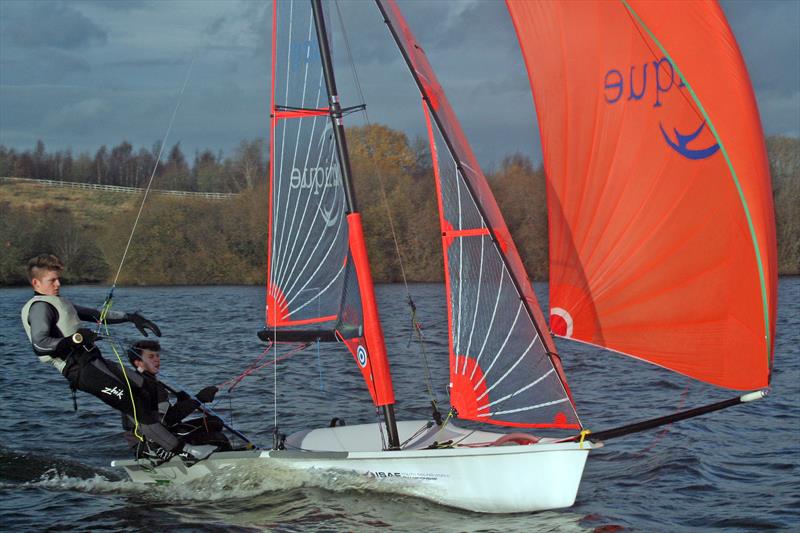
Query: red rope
[[258, 365]]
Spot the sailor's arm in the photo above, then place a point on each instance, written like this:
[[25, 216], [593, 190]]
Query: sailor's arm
[[88, 314], [117, 317]]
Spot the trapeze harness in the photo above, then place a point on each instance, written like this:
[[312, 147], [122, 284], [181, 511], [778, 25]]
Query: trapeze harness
[[68, 323]]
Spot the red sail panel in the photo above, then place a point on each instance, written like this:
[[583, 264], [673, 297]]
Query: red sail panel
[[662, 232], [503, 366], [371, 359]]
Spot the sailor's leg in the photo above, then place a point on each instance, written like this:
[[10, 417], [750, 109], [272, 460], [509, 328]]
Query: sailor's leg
[[98, 379], [206, 430]]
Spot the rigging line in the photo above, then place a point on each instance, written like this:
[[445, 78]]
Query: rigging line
[[235, 381], [378, 173], [153, 174], [416, 328], [381, 185], [136, 432]]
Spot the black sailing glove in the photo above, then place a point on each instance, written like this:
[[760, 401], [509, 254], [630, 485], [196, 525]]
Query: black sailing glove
[[141, 323], [207, 395]]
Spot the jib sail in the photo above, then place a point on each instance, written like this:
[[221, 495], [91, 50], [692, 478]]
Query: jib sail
[[503, 364]]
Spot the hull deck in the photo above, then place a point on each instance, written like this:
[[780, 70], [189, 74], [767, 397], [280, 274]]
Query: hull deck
[[479, 471]]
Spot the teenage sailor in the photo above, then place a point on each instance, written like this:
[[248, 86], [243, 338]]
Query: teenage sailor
[[145, 356], [53, 326]]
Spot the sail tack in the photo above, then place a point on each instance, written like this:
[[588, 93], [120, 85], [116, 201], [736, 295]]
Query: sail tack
[[662, 233], [503, 365]]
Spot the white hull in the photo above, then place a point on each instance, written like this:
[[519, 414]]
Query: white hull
[[491, 479]]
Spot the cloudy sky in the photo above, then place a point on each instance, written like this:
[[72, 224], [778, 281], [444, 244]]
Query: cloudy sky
[[82, 73]]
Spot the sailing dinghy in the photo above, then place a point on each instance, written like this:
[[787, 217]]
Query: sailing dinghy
[[662, 247]]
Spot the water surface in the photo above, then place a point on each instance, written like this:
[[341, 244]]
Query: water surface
[[734, 470]]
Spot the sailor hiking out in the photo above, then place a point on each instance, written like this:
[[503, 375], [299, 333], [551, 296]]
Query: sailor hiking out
[[53, 325]]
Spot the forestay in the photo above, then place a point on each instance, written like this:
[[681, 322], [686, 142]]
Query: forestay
[[503, 364], [662, 232]]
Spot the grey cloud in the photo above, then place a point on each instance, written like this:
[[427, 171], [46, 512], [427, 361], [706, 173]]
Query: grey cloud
[[49, 24], [81, 117], [767, 33], [41, 66], [118, 5]]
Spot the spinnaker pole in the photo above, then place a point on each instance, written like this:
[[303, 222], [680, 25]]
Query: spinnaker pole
[[373, 332], [668, 419]]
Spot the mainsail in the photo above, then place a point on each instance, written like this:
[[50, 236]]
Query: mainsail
[[318, 281], [503, 364], [662, 232]]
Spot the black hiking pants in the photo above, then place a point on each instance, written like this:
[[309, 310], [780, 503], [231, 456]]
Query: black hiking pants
[[89, 372]]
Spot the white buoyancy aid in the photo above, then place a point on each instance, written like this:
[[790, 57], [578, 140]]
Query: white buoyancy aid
[[67, 324]]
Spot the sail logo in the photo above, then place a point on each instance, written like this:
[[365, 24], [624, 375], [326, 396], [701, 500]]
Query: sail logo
[[651, 83], [320, 181], [681, 143], [324, 184], [361, 355], [315, 179]]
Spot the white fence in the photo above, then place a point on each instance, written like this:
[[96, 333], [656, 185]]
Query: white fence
[[116, 188]]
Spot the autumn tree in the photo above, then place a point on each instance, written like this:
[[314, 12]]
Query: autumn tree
[[784, 158]]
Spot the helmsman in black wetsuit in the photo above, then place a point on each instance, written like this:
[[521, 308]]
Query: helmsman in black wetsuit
[[53, 326], [174, 406]]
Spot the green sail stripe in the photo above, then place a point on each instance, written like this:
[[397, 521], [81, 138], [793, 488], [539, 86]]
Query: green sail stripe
[[736, 182]]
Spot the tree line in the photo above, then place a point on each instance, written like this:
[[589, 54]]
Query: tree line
[[123, 165], [196, 241]]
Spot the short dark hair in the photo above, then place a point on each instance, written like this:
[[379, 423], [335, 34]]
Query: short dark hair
[[43, 262], [135, 351]]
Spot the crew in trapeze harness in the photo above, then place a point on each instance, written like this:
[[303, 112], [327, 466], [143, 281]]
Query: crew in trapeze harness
[[145, 357], [53, 326]]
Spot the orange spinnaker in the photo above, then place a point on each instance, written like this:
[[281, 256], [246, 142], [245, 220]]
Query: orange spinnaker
[[662, 230]]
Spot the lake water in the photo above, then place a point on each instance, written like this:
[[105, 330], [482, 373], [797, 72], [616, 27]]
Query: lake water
[[734, 470]]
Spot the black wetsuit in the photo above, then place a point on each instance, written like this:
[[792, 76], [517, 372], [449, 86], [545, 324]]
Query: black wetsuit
[[204, 430], [88, 371]]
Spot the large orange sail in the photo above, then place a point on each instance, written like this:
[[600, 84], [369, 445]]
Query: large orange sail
[[662, 231]]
